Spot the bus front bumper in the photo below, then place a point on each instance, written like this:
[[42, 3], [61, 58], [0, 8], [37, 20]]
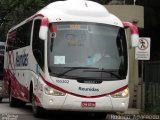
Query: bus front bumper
[[74, 103]]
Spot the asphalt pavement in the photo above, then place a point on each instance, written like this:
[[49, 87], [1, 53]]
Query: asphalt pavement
[[25, 113]]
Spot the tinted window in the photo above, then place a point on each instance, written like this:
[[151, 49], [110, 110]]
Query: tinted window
[[20, 37], [38, 44]]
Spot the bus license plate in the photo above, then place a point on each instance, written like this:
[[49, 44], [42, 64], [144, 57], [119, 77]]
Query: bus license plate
[[88, 104]]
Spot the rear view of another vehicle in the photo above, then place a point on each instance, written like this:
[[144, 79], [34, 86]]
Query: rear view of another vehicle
[[2, 48], [1, 87]]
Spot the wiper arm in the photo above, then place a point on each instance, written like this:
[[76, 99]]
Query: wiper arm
[[74, 68], [105, 71]]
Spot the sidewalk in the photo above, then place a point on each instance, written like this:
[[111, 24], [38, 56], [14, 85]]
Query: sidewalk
[[132, 111]]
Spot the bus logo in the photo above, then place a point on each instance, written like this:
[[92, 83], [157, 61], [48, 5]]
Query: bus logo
[[88, 89], [21, 60]]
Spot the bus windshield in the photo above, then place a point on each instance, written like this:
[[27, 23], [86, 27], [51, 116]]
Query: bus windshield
[[87, 50]]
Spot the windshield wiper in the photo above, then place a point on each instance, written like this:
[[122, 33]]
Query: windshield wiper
[[105, 71], [74, 68]]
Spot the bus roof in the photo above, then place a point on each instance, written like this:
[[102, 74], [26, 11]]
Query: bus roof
[[79, 10], [76, 10]]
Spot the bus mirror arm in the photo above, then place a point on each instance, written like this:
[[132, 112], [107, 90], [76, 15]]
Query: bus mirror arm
[[43, 31], [134, 33]]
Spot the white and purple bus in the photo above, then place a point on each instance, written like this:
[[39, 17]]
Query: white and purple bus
[[72, 56]]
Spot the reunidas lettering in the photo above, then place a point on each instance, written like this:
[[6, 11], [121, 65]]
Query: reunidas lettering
[[21, 60], [88, 89]]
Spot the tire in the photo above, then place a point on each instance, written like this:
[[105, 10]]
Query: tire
[[101, 116], [13, 102], [98, 115], [37, 111], [21, 103]]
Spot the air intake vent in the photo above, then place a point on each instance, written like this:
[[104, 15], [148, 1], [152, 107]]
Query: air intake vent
[[90, 81]]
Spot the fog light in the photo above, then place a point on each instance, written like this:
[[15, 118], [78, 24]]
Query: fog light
[[123, 104], [50, 101]]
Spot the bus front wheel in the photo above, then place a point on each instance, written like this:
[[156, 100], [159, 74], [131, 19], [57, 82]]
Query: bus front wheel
[[12, 101], [37, 111], [98, 115]]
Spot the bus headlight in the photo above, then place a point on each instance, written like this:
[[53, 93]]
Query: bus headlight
[[121, 94], [51, 91]]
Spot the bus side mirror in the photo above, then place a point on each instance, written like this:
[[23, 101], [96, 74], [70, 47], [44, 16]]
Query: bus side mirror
[[134, 33], [43, 31]]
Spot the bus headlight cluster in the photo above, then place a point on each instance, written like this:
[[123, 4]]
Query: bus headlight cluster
[[121, 94], [52, 91]]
